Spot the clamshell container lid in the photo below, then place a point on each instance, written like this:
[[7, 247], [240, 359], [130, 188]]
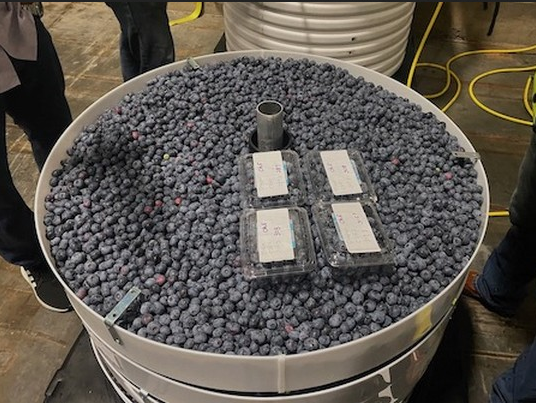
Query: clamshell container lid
[[276, 242], [338, 175], [271, 179], [352, 235]]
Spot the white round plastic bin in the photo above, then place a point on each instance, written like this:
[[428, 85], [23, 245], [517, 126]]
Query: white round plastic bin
[[371, 34], [249, 374]]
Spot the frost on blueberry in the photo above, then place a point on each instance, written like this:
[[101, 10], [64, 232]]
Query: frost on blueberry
[[149, 197]]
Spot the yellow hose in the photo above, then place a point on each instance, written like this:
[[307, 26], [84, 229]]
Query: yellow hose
[[498, 214], [450, 73], [475, 52], [193, 16], [527, 96], [488, 109], [456, 78], [421, 45]]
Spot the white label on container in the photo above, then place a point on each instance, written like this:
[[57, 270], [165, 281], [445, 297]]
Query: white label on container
[[354, 228], [270, 175], [340, 172], [274, 236]]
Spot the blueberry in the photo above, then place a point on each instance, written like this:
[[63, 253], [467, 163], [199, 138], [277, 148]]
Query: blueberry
[[335, 320]]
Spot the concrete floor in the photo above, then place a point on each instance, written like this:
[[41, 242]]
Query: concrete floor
[[35, 342]]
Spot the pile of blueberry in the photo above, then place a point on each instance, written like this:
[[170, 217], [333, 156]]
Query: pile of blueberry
[[149, 197]]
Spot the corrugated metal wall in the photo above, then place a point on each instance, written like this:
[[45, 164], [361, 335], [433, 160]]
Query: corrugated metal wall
[[371, 34]]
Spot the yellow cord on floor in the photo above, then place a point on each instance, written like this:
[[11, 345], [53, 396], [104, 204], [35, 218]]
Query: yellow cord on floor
[[422, 43], [475, 52], [489, 110], [456, 79], [526, 97], [498, 214], [450, 74], [193, 16]]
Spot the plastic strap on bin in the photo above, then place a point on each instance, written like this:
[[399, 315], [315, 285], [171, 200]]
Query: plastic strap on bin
[[119, 310], [466, 154], [193, 64]]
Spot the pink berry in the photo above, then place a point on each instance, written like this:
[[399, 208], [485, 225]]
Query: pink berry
[[147, 209], [178, 201], [81, 293], [146, 318], [209, 180], [289, 328], [158, 203], [124, 270], [135, 135], [449, 175], [160, 279], [395, 161], [190, 125]]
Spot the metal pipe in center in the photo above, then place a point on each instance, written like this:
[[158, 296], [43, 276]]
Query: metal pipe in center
[[269, 126]]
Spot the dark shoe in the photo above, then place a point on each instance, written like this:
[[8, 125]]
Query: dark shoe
[[47, 289], [470, 290]]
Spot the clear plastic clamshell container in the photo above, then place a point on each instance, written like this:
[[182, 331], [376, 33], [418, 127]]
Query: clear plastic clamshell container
[[338, 175], [271, 179], [352, 235], [275, 242]]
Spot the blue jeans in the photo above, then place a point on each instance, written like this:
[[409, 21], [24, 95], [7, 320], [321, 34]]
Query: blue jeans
[[507, 271], [39, 107], [146, 41]]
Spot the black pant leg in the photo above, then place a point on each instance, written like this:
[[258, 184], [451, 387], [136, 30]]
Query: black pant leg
[[156, 41], [18, 238], [39, 105], [129, 42], [146, 41]]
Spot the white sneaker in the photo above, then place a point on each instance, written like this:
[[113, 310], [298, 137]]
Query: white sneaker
[[47, 289]]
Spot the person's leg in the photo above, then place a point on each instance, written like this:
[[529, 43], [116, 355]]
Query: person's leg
[[501, 286], [517, 384], [18, 239], [509, 268], [129, 42], [513, 263], [522, 211], [39, 105], [155, 40]]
